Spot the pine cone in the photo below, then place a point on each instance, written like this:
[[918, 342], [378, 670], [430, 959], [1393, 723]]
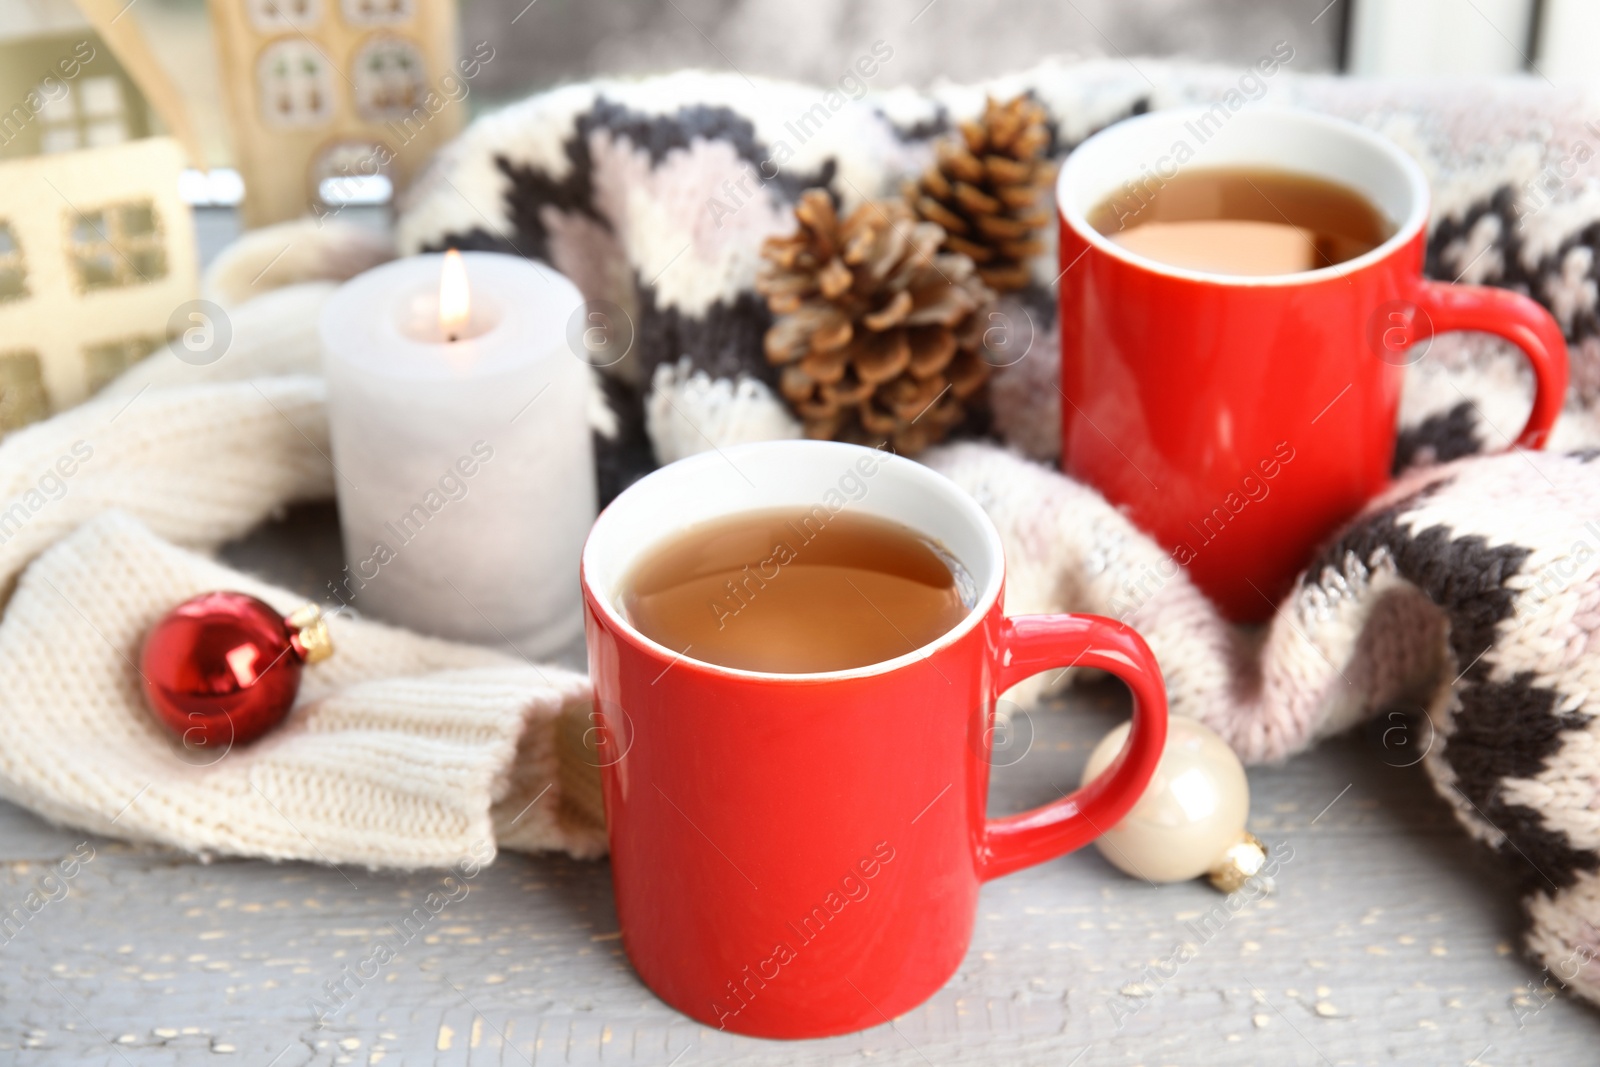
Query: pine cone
[[877, 332], [986, 190]]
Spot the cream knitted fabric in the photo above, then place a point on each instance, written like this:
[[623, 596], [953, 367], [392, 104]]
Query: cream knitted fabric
[[199, 465], [687, 407], [403, 751], [1339, 648]]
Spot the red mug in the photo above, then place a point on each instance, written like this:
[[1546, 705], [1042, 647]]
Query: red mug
[[799, 855], [1241, 420]]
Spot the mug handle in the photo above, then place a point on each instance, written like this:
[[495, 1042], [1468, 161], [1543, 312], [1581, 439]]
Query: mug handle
[[1517, 318], [1033, 643]]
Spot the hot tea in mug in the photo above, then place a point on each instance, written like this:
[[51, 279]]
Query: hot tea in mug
[[1245, 220], [797, 591]]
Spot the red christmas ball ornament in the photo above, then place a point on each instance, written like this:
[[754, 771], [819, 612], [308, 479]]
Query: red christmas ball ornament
[[223, 669]]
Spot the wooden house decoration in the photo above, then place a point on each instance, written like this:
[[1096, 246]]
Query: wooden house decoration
[[97, 249], [323, 90]]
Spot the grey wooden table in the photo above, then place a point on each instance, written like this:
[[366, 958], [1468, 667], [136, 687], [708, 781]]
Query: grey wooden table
[[1389, 939]]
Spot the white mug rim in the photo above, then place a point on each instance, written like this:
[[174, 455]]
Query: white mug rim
[[1075, 214], [953, 496]]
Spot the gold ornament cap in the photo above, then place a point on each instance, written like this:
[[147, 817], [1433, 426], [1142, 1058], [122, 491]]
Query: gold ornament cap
[[1241, 862], [310, 633]]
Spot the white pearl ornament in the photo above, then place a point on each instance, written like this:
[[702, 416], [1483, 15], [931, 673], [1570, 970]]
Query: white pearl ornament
[[1191, 819]]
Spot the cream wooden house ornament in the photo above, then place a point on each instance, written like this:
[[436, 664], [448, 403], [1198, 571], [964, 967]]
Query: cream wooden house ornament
[[328, 91], [97, 249], [96, 254]]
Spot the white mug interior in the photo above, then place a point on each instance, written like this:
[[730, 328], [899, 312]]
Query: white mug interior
[[1151, 149], [835, 477]]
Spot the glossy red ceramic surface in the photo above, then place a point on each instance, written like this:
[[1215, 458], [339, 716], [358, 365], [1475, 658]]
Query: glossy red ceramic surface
[[797, 856], [1242, 421]]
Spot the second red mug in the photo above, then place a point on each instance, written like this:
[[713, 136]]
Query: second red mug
[[1240, 420], [797, 855]]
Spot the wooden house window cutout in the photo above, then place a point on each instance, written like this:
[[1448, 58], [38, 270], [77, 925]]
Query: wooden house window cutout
[[377, 12], [105, 113], [13, 265], [22, 394], [389, 81], [273, 16], [92, 113], [105, 361], [294, 85], [58, 124], [116, 245]]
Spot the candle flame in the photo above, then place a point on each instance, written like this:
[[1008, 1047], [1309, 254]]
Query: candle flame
[[454, 303]]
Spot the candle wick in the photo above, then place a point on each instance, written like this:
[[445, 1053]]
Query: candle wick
[[452, 337]]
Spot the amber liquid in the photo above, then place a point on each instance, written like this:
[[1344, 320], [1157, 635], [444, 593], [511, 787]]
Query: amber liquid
[[791, 591], [1243, 221]]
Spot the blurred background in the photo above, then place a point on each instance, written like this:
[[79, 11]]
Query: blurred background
[[219, 116], [541, 43]]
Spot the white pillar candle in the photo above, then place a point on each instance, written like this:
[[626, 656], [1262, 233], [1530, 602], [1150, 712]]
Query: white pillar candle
[[461, 448]]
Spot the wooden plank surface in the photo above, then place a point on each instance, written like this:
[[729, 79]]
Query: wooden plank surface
[[1389, 938]]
